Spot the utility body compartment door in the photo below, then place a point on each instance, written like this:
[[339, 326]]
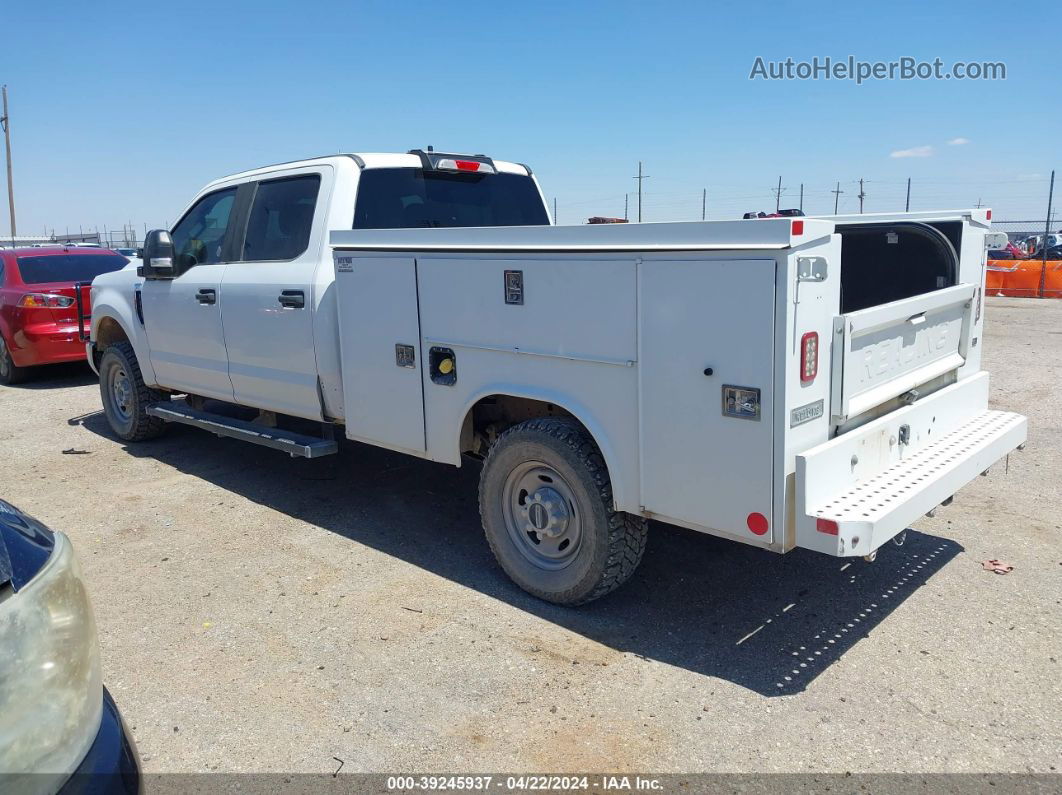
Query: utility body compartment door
[[380, 352], [884, 351], [707, 330]]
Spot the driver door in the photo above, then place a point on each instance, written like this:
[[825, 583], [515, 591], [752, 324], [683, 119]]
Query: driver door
[[183, 315]]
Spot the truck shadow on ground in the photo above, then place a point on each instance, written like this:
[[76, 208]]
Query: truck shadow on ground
[[771, 623]]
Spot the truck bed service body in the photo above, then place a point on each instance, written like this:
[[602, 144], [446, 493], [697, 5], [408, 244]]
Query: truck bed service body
[[790, 382]]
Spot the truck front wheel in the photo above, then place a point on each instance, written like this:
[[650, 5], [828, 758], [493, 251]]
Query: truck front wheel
[[126, 396], [546, 502]]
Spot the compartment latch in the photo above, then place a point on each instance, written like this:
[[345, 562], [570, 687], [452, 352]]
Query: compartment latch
[[811, 269]]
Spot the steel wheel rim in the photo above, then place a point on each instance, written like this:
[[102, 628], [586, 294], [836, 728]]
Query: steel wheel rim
[[121, 389], [5, 363], [540, 515]]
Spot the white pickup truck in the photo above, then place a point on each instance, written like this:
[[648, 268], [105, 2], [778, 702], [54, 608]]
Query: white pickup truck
[[791, 382]]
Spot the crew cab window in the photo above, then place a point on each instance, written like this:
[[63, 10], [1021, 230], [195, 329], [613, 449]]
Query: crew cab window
[[405, 198], [278, 227], [199, 236]]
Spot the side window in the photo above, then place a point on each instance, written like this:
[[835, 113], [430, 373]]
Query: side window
[[199, 236], [278, 227]]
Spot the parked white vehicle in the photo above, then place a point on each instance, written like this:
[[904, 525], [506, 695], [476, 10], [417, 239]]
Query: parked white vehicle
[[808, 382]]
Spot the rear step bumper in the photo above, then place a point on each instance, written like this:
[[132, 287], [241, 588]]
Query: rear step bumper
[[295, 444], [859, 514]]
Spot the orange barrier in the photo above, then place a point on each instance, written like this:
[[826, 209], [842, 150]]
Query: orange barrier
[[1020, 278]]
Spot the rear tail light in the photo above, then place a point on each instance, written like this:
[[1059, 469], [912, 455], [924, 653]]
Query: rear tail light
[[809, 356], [453, 164], [798, 228], [46, 301]]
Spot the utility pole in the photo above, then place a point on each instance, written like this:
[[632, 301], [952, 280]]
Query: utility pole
[[5, 122], [978, 205], [626, 197], [862, 195], [704, 203], [640, 177], [801, 197], [1047, 232], [907, 208], [836, 197], [554, 210], [778, 195]]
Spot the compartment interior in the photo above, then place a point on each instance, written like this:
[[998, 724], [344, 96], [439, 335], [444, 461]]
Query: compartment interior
[[884, 262]]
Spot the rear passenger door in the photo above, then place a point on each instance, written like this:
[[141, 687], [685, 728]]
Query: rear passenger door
[[267, 297]]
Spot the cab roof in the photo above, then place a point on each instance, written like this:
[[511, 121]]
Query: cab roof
[[366, 160]]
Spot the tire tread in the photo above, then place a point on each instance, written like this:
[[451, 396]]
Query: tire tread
[[144, 425], [627, 533]]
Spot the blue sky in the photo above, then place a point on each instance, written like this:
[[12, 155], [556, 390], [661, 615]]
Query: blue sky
[[120, 112]]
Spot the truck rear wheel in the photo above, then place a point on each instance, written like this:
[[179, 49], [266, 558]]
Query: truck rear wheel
[[126, 396], [546, 502]]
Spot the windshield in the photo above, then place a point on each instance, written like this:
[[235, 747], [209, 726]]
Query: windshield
[[408, 198], [68, 267]]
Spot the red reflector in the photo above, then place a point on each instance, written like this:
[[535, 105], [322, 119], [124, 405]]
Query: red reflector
[[827, 526], [798, 227], [809, 356], [467, 165], [757, 523], [988, 215]]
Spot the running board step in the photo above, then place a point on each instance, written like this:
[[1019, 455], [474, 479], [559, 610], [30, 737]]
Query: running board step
[[295, 444]]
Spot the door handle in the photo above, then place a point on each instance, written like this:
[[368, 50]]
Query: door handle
[[207, 296], [293, 299]]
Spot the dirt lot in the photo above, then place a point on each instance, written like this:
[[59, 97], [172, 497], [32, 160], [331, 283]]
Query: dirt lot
[[262, 613]]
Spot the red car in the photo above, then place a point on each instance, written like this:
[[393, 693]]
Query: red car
[[38, 308]]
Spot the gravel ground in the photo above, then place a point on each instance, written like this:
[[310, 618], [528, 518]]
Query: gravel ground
[[259, 613]]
